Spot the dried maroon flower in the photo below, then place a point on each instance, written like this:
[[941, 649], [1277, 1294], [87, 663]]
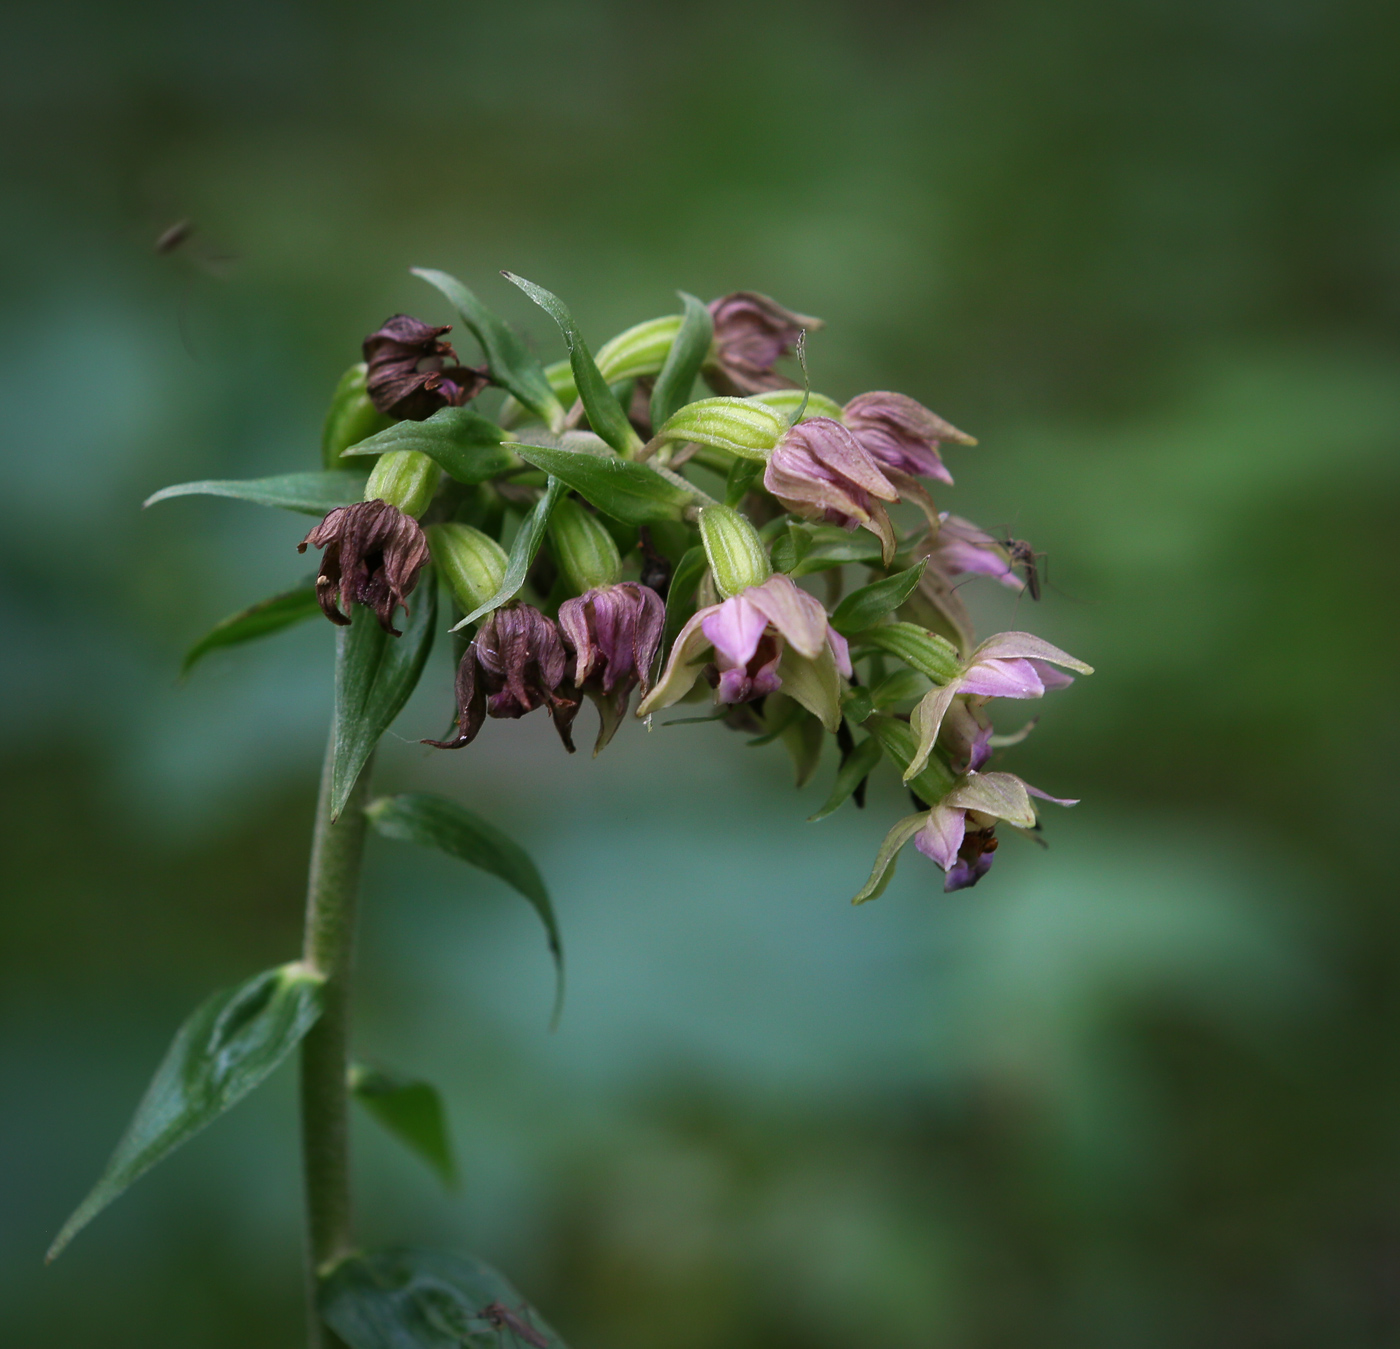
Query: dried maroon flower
[[515, 664], [373, 554], [751, 333], [412, 373], [614, 632]]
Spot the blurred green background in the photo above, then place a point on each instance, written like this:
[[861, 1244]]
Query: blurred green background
[[1138, 1091]]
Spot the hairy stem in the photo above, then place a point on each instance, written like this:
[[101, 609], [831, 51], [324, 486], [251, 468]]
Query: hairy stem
[[336, 850]]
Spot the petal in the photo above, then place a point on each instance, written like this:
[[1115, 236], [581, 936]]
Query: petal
[[734, 628], [926, 720], [942, 835], [1050, 676], [1000, 794], [796, 614], [1002, 679], [1006, 645], [883, 870], [813, 683], [840, 650], [1045, 796], [684, 666]]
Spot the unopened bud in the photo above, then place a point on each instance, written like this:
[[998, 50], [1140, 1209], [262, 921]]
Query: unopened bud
[[640, 351], [583, 548], [735, 551], [404, 478], [350, 418], [749, 430], [472, 563]]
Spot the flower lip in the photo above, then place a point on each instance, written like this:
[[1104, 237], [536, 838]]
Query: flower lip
[[752, 332], [412, 373], [373, 556]]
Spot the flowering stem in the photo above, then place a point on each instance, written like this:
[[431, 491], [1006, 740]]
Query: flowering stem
[[336, 850]]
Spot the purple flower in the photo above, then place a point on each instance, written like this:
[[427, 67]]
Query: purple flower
[[373, 554], [409, 371], [902, 435], [766, 637], [1009, 665], [751, 333], [515, 664], [819, 470], [959, 833], [613, 632], [959, 547]]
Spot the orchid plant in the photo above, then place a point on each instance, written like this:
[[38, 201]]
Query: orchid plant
[[602, 533]]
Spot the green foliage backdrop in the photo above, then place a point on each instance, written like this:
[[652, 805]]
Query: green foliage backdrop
[[1140, 1092]]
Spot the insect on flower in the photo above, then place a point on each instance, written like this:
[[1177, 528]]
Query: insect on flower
[[502, 1318], [1024, 556]]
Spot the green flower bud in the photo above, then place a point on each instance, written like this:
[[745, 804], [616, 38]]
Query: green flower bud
[[788, 401], [749, 430], [641, 350], [472, 563], [737, 559], [583, 548], [404, 478], [350, 418]]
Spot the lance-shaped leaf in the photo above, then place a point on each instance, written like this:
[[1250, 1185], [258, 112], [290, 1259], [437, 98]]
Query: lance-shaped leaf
[[522, 552], [830, 546], [374, 675], [228, 1046], [605, 414], [900, 687], [634, 493], [404, 1298], [680, 597], [882, 873], [863, 608], [688, 351], [412, 1111], [859, 765], [309, 493], [512, 364], [901, 742], [435, 822], [258, 620], [464, 443]]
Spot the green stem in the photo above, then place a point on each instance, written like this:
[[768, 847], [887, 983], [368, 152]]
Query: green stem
[[336, 850]]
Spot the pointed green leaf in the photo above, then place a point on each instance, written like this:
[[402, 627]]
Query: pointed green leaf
[[633, 493], [803, 740], [859, 765], [374, 675], [899, 687], [522, 552], [309, 493], [865, 607], [680, 596], [258, 620], [882, 873], [412, 1111], [227, 1047], [464, 443], [404, 1298], [683, 361], [605, 414], [857, 704], [899, 740], [435, 822], [831, 546], [512, 364]]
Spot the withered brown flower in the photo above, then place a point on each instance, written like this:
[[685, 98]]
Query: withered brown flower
[[373, 554], [515, 664], [412, 373], [751, 333]]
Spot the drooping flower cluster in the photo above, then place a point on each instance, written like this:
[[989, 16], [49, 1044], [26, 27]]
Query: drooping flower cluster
[[666, 567]]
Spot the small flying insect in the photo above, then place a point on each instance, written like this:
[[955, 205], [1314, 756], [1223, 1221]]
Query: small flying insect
[[1024, 556], [502, 1318], [171, 239]]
